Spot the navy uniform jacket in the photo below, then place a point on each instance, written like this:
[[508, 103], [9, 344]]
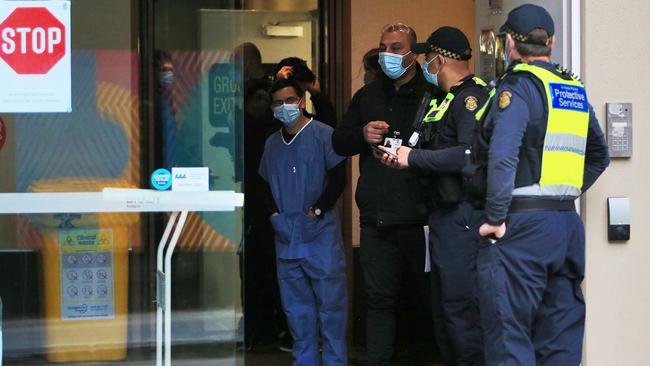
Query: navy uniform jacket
[[509, 127], [446, 154]]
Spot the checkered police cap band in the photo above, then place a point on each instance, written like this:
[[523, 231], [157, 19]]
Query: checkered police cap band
[[523, 38], [449, 54]]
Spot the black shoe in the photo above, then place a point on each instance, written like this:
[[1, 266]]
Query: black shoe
[[286, 342]]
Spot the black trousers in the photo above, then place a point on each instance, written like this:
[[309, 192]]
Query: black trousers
[[385, 253]]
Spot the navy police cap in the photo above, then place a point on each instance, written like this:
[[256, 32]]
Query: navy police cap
[[525, 18], [448, 41]]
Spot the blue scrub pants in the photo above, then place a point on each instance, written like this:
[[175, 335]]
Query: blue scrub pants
[[453, 233], [314, 297], [532, 308]]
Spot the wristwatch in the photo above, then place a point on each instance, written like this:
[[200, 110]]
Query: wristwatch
[[317, 211]]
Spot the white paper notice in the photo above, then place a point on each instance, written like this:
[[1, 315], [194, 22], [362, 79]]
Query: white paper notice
[[190, 179], [35, 56]]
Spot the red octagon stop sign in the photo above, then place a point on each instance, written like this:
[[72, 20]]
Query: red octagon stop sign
[[32, 40]]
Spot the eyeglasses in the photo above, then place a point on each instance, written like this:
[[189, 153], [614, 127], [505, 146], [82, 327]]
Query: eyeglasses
[[397, 27], [289, 100]]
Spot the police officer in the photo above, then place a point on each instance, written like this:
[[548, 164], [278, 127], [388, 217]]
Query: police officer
[[447, 131], [546, 148], [392, 212]]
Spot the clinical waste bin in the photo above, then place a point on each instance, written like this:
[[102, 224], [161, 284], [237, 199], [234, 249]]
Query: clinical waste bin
[[85, 270]]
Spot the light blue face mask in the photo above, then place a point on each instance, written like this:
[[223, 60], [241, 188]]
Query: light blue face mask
[[288, 114], [391, 64], [166, 78], [431, 78]]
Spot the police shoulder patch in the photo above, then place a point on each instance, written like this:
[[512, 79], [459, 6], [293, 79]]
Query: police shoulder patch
[[504, 99], [471, 103]]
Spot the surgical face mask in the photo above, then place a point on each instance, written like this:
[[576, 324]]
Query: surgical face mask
[[431, 78], [288, 114], [391, 64], [166, 78]]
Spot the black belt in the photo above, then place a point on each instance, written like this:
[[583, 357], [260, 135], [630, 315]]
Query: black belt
[[536, 204]]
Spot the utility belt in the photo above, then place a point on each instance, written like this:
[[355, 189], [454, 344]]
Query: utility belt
[[447, 191], [477, 204], [527, 204]]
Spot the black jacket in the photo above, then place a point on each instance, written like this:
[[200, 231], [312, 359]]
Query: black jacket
[[385, 196]]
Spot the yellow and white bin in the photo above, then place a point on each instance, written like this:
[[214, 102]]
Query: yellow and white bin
[[85, 270]]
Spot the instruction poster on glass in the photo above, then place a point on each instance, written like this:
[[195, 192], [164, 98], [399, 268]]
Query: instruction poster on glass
[[87, 274]]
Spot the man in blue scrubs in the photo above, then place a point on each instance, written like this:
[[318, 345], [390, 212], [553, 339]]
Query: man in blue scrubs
[[306, 178]]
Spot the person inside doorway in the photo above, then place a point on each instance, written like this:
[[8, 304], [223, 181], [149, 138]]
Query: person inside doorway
[[305, 179]]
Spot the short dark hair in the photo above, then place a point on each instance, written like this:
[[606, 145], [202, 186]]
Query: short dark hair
[[537, 44], [371, 59], [301, 71], [250, 53], [286, 83]]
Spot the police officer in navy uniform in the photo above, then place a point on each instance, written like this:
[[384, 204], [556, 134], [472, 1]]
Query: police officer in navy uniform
[[546, 148], [447, 131]]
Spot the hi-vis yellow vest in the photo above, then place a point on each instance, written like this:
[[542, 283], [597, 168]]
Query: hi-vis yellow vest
[[437, 112], [563, 155]]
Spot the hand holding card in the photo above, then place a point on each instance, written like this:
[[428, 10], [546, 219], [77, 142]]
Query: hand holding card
[[381, 150]]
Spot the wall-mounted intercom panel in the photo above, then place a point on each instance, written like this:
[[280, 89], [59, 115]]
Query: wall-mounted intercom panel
[[619, 129], [618, 218]]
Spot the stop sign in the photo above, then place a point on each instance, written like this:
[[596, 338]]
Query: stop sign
[[32, 40]]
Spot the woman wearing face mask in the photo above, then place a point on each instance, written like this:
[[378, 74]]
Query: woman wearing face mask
[[371, 69], [166, 111], [305, 178]]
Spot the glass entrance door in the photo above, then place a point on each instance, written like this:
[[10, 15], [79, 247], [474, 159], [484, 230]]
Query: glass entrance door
[[153, 84], [215, 61], [80, 281]]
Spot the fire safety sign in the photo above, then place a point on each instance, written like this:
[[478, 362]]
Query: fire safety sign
[[35, 66]]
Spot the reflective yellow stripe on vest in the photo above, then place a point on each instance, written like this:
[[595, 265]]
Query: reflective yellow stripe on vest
[[479, 81], [481, 112], [436, 112], [563, 157]]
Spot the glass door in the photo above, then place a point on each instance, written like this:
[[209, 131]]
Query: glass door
[[79, 279], [215, 61]]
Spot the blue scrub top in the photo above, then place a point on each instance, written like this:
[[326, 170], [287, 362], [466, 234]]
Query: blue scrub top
[[297, 174]]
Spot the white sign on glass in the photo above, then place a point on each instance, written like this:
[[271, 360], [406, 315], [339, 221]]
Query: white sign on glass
[[35, 66]]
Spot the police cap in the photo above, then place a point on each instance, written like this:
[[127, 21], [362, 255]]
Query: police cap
[[448, 41], [524, 19]]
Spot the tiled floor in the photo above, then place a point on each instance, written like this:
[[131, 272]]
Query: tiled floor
[[270, 356]]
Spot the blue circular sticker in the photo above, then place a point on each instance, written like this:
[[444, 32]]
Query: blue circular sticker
[[161, 179]]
